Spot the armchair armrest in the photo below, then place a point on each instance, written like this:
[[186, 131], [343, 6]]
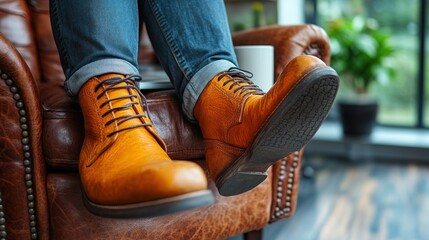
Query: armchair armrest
[[23, 209], [289, 42]]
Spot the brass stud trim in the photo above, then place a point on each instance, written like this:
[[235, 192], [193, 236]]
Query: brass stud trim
[[27, 162], [3, 233], [285, 181]]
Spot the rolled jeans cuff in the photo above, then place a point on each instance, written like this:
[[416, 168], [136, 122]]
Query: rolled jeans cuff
[[73, 84], [198, 82]]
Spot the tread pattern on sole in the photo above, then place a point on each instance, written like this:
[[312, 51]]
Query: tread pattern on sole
[[304, 118]]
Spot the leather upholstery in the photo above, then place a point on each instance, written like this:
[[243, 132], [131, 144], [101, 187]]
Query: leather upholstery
[[41, 132], [22, 167], [16, 24], [227, 217]]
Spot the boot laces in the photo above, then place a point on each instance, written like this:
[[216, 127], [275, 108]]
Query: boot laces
[[241, 78], [112, 85]]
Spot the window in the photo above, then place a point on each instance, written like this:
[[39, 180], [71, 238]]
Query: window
[[426, 56], [401, 99]]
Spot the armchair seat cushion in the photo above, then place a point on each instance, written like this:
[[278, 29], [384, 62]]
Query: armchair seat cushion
[[63, 127], [226, 217]]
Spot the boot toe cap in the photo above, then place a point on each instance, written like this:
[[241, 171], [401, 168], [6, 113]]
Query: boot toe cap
[[148, 183]]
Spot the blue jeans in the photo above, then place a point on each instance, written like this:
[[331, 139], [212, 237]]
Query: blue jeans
[[191, 39]]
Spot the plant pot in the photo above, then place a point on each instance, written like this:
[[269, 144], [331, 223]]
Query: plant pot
[[358, 117]]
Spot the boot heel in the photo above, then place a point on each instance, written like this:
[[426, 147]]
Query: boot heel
[[234, 183]]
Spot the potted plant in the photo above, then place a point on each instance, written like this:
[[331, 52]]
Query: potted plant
[[360, 55]]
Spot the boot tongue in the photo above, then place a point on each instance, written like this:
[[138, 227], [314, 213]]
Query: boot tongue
[[121, 91], [132, 105]]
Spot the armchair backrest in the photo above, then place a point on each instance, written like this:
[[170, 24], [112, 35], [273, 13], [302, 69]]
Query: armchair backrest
[[16, 24], [47, 53]]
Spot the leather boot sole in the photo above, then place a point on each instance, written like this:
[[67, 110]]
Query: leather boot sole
[[152, 208], [290, 127]]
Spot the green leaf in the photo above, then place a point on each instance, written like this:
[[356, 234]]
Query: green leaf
[[360, 52], [367, 45]]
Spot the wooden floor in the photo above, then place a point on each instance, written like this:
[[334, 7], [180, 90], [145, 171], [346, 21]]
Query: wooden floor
[[359, 201]]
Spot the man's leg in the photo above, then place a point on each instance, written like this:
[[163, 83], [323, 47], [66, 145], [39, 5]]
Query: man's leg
[[245, 130], [95, 37], [124, 168], [192, 41]]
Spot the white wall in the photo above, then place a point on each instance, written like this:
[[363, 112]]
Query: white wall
[[290, 12]]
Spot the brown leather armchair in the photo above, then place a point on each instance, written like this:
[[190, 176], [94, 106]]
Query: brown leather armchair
[[41, 133]]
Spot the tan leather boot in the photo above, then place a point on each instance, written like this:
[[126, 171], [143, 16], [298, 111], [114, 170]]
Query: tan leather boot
[[246, 131], [124, 168]]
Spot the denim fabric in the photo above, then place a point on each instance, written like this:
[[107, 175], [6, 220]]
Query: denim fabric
[[191, 39], [87, 31]]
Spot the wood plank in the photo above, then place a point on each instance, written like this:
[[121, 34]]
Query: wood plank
[[358, 201]]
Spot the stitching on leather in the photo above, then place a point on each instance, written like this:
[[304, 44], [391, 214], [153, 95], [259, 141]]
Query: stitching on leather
[[28, 161]]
